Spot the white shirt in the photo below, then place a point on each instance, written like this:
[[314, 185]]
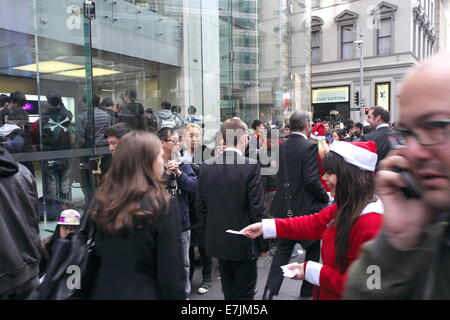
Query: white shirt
[[300, 134], [381, 126]]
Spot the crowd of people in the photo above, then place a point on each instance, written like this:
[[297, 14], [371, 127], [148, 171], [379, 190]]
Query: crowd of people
[[338, 189]]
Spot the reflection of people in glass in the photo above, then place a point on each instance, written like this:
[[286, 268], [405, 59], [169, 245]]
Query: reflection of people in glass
[[4, 101], [17, 101], [192, 118], [108, 106], [56, 135], [93, 133], [15, 135], [133, 112]]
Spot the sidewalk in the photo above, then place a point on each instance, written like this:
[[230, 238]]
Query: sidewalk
[[290, 289]]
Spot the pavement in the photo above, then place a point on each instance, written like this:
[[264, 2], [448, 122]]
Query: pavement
[[290, 289]]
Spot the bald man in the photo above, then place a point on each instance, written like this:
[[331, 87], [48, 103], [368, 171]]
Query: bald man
[[411, 257]]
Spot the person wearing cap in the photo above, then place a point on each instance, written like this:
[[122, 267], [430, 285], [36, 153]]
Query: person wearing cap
[[318, 133], [343, 227], [68, 222]]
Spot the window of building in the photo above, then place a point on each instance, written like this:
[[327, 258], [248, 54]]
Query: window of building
[[384, 37], [347, 46], [346, 22], [315, 47], [315, 4], [316, 39], [384, 33]]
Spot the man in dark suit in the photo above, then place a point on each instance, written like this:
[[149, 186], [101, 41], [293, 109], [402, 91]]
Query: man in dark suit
[[230, 196], [378, 118], [299, 192]]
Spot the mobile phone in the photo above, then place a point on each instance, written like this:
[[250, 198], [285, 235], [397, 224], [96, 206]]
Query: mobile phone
[[411, 191]]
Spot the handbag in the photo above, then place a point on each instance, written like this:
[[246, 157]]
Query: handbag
[[71, 268]]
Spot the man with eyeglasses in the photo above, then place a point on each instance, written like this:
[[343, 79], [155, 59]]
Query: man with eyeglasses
[[181, 181], [411, 257]]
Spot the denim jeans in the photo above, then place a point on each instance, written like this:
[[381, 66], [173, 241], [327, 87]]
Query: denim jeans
[[185, 242], [58, 178]]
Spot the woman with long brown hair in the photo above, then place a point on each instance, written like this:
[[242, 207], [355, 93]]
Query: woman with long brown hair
[[138, 231], [343, 227]]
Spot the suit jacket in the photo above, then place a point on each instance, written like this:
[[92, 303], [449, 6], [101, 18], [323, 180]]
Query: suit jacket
[[380, 137], [230, 196], [308, 195]]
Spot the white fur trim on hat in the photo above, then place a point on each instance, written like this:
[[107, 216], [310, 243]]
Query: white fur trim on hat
[[317, 137], [360, 157]]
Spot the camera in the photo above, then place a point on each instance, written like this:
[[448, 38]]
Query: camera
[[173, 184]]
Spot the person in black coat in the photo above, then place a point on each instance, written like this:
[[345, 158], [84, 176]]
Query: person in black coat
[[230, 195], [378, 118], [298, 180], [138, 229]]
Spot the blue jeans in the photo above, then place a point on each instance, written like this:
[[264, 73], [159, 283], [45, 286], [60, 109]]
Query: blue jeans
[[185, 242]]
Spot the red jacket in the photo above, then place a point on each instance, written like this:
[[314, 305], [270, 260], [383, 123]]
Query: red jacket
[[315, 227]]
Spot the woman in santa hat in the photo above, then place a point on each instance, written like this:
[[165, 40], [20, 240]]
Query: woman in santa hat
[[318, 133], [343, 227]]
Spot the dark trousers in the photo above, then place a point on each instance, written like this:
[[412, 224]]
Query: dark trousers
[[238, 279], [282, 257], [206, 264]]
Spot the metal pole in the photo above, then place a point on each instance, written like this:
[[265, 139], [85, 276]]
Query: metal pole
[[361, 71]]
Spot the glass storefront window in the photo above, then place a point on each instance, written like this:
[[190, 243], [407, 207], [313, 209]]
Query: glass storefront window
[[73, 77]]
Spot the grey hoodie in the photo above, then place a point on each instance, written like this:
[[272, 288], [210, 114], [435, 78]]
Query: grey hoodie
[[168, 116]]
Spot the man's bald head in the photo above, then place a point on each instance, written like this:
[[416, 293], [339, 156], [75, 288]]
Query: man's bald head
[[427, 83], [424, 100]]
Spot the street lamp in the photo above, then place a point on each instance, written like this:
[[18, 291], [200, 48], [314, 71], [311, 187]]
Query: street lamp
[[360, 44]]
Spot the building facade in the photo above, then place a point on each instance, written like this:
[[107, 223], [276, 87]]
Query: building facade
[[224, 57], [394, 35]]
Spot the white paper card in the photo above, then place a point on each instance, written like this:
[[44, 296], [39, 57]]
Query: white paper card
[[233, 232], [289, 273]]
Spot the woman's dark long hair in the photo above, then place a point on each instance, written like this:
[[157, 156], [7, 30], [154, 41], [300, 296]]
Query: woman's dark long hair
[[355, 188], [130, 181]]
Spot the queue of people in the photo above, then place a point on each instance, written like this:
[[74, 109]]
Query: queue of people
[[345, 200]]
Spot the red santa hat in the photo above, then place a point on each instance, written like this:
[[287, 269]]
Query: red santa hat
[[318, 132], [360, 154]]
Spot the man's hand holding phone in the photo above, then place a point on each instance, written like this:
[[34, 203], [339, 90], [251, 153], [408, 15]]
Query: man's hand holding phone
[[406, 217]]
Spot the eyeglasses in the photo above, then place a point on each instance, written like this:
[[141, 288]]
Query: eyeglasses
[[428, 133], [174, 140]]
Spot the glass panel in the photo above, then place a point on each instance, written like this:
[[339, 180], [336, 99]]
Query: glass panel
[[347, 34], [347, 51], [45, 69], [315, 39], [78, 76], [385, 28], [315, 55], [384, 46]]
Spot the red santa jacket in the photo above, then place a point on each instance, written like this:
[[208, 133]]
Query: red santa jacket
[[316, 227]]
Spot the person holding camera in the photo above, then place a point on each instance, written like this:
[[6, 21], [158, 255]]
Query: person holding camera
[[411, 257], [181, 181]]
